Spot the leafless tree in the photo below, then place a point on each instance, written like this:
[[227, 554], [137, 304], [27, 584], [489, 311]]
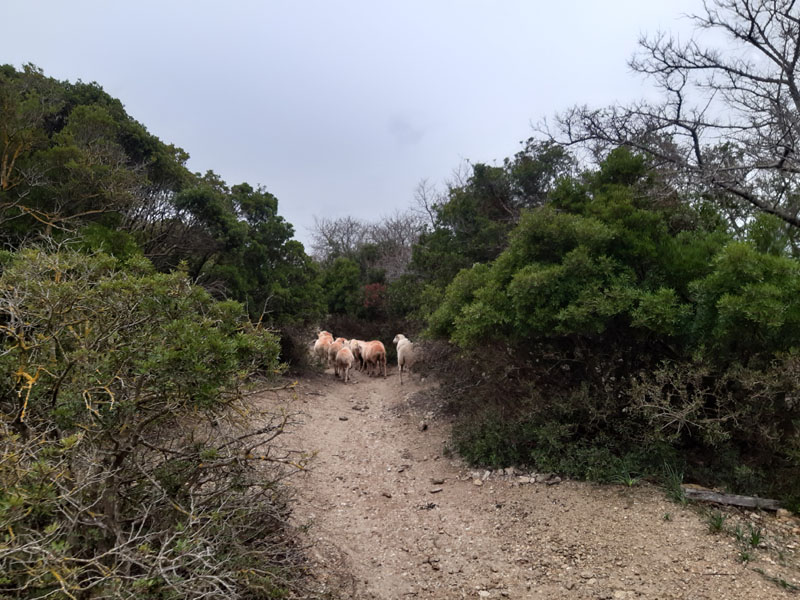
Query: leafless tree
[[389, 241], [426, 197], [728, 121], [338, 237], [460, 175], [395, 237]]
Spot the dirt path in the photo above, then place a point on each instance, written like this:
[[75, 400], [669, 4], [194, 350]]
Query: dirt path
[[390, 517]]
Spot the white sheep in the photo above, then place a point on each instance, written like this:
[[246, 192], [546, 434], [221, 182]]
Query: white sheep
[[357, 348], [324, 340], [405, 354]]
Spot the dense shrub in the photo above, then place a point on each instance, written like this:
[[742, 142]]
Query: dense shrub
[[127, 473], [631, 332]]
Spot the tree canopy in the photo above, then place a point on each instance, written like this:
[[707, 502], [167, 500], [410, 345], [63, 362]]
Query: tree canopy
[[74, 165]]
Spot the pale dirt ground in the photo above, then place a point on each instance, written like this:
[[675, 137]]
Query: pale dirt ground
[[388, 516]]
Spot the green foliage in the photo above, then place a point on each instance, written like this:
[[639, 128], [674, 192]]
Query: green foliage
[[460, 292], [716, 521], [65, 162], [672, 480], [174, 333], [579, 274], [748, 308], [119, 244], [533, 436], [436, 258], [661, 312], [737, 416], [252, 254], [754, 537], [341, 285], [76, 166], [652, 333], [626, 478], [473, 221], [403, 296], [768, 234], [127, 469]]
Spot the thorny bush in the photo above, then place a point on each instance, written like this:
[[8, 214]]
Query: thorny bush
[[131, 463]]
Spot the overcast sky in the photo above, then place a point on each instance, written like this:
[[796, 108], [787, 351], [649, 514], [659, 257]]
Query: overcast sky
[[341, 107]]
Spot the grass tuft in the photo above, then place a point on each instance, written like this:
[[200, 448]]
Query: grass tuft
[[626, 478], [716, 521], [756, 536], [673, 478]]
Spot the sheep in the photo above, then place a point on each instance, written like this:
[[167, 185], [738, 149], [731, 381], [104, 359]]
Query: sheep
[[405, 354], [357, 348], [333, 349], [374, 354], [343, 364], [324, 340]]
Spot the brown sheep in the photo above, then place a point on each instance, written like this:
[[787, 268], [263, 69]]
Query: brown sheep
[[343, 364], [333, 349], [374, 354]]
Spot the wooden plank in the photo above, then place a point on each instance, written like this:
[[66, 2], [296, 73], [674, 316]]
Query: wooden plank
[[693, 493]]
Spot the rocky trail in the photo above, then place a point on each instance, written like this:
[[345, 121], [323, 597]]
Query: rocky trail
[[388, 516]]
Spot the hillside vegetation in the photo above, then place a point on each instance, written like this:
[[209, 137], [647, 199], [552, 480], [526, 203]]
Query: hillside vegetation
[[624, 331], [138, 302], [635, 316]]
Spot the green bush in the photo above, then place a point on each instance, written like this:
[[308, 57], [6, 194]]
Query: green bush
[[131, 463], [748, 307], [341, 286], [648, 332]]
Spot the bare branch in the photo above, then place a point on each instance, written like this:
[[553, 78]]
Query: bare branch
[[729, 121]]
